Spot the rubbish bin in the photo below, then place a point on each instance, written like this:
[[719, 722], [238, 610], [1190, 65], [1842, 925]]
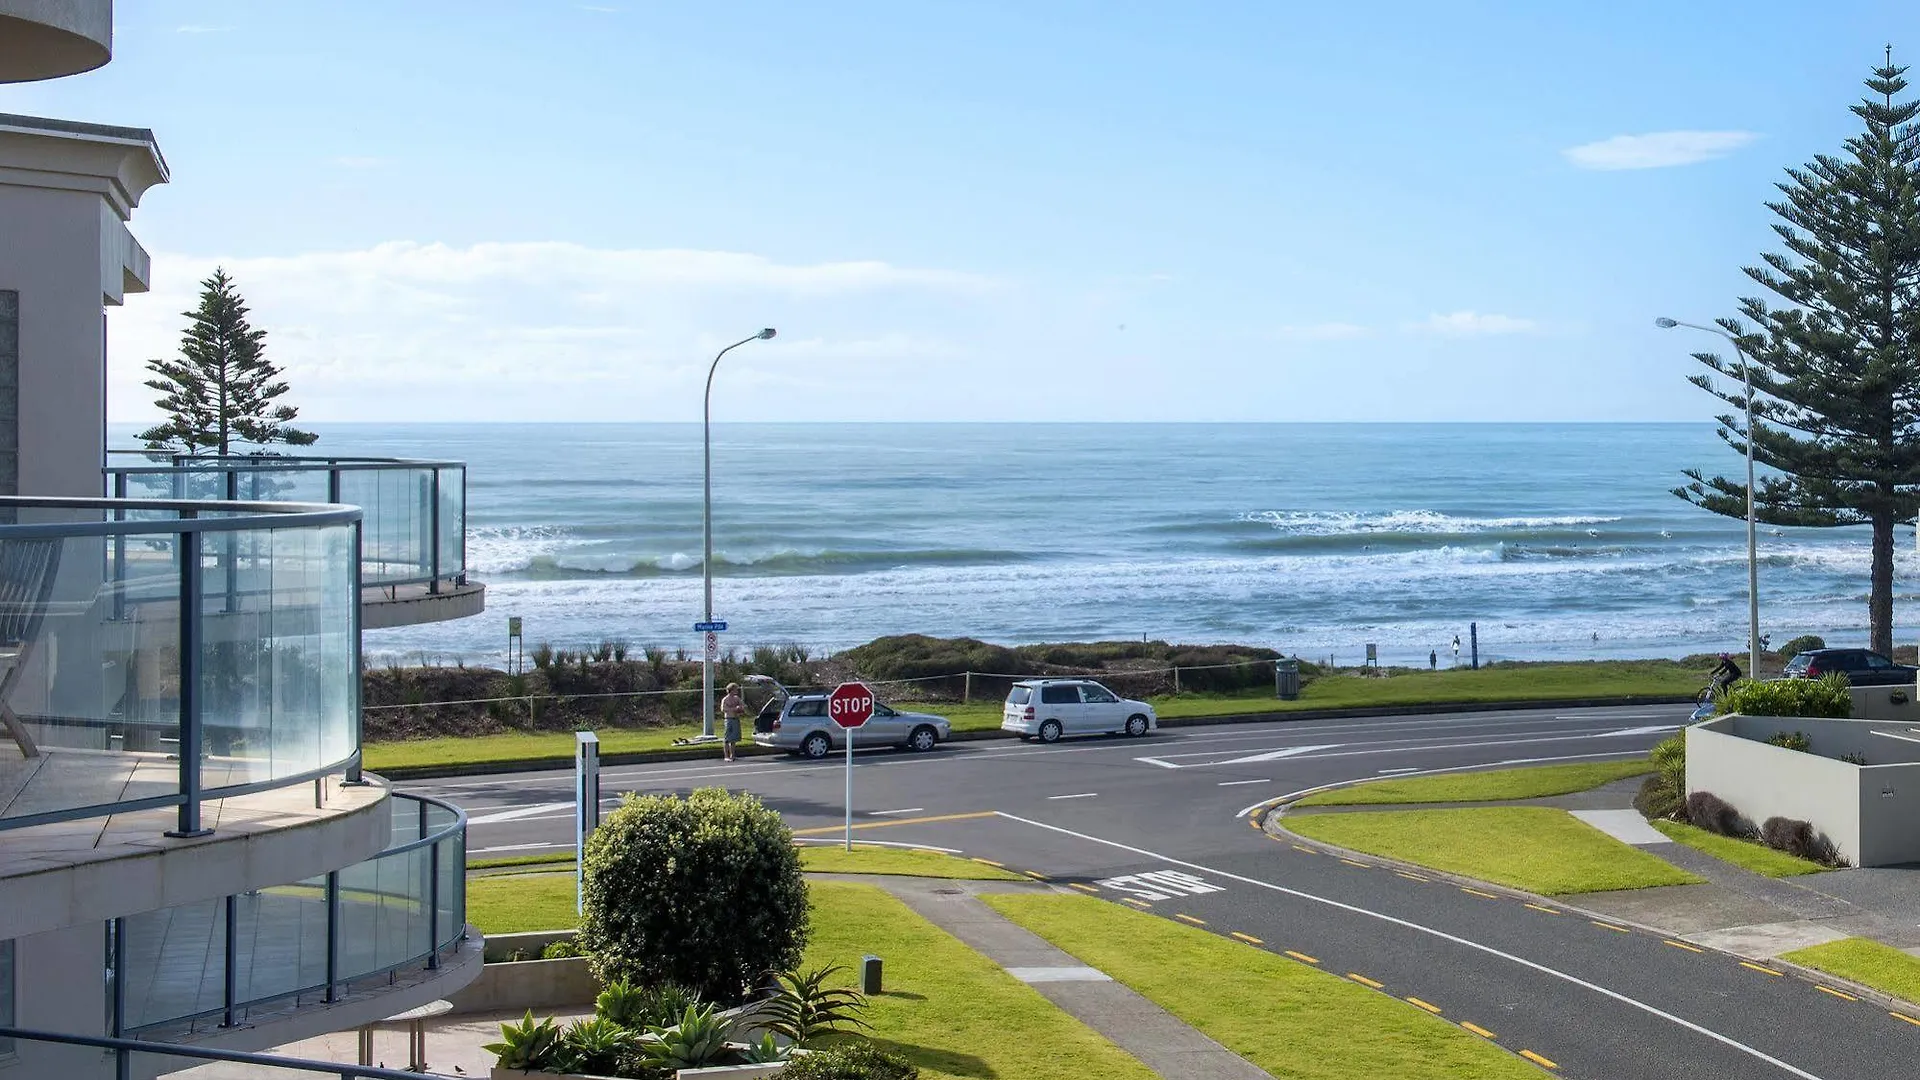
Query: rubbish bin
[[1286, 679]]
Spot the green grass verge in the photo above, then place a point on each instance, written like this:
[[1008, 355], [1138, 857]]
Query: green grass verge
[[520, 860], [1755, 856], [1287, 1018], [1866, 962], [1530, 783], [952, 1011], [868, 859], [1505, 682], [518, 903], [1535, 848]]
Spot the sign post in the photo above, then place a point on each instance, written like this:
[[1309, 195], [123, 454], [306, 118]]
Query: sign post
[[850, 705], [586, 807]]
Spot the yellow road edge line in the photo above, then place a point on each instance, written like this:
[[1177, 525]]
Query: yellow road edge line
[[1478, 1030], [989, 862], [1305, 848], [1761, 968], [1083, 887], [1547, 910], [1411, 877], [1302, 957], [1189, 918], [1364, 981], [1427, 1005], [1137, 902], [1538, 1060], [1904, 1016], [826, 830], [1835, 993], [1248, 938], [1683, 945], [1035, 875], [1609, 926], [1364, 866], [1477, 892]]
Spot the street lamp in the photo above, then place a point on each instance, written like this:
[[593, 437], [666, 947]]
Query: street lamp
[[706, 530], [1753, 564]]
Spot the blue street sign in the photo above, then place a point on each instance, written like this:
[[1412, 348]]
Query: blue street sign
[[709, 627]]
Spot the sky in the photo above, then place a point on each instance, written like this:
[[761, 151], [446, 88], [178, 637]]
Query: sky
[[970, 210]]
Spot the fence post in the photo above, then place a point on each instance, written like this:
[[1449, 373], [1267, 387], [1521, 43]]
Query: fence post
[[966, 695], [1176, 679]]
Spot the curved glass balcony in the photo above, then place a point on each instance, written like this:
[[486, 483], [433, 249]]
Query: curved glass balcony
[[161, 653]]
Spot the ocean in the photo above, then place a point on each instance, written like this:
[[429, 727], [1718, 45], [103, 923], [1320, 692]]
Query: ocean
[[1558, 540]]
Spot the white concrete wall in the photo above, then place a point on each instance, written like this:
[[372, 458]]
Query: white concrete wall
[[1894, 703], [1889, 814], [1764, 781]]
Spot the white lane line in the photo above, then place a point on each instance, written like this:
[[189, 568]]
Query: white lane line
[[516, 847], [1082, 795], [1658, 729], [516, 815], [1304, 792], [902, 810], [1389, 772], [1724, 1040], [1237, 783], [1157, 761], [1276, 755], [874, 843]]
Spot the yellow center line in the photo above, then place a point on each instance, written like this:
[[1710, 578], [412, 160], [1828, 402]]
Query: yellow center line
[[990, 862], [1478, 1030], [1538, 1060], [826, 830], [1427, 1005], [1362, 865], [1305, 848], [1545, 910], [1084, 887], [1189, 918], [1364, 981], [1248, 938], [1683, 945], [1302, 957], [1477, 892], [1835, 993], [1757, 967], [1035, 875], [1609, 926], [1411, 877], [1253, 823], [1137, 903], [1904, 1016]]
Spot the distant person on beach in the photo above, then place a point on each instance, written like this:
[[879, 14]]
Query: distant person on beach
[[1724, 674], [733, 706], [1433, 659]]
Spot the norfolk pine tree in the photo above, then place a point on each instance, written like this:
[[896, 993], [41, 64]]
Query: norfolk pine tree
[[1836, 372], [222, 389]]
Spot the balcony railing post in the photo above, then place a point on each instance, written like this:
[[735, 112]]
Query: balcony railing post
[[122, 1059], [191, 737], [463, 525], [119, 550], [433, 535], [433, 902], [231, 985], [333, 936], [230, 547], [359, 658]]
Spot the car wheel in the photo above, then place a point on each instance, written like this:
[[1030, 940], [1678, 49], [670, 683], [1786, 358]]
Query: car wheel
[[924, 738], [1050, 731], [816, 746], [1136, 725]]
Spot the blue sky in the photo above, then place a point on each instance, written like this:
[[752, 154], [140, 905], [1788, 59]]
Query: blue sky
[[967, 211]]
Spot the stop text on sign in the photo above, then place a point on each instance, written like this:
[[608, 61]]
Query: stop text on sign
[[850, 705]]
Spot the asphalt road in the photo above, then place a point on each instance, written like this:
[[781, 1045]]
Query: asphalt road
[[1161, 823]]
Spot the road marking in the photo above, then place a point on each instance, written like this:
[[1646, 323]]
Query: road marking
[[516, 847], [1160, 884], [1035, 875], [1390, 772], [1543, 910], [1363, 866], [1467, 943], [1904, 1016], [908, 810], [1427, 1005], [1082, 795], [1655, 730], [1411, 877], [1245, 759], [1683, 945], [873, 843], [1237, 783], [1302, 957], [1538, 1060], [1157, 761], [1478, 1030], [1137, 903], [1083, 887], [1305, 848], [1835, 993], [1759, 968], [516, 815], [1477, 892], [1609, 926], [825, 829], [1189, 918], [1364, 981], [990, 862], [1248, 938]]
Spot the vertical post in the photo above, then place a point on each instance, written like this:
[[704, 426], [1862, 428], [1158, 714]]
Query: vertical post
[[191, 737], [1473, 635], [230, 985], [1176, 679], [229, 547], [359, 658], [119, 551], [433, 905], [706, 549], [122, 1059], [849, 734], [462, 579], [333, 936], [966, 693], [1753, 556], [586, 808], [433, 539]]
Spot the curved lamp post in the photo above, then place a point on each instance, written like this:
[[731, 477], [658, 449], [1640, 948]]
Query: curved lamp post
[[706, 530], [1753, 565]]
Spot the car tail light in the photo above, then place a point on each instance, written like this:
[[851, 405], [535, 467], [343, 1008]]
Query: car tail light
[[776, 723], [1813, 671], [1027, 713]]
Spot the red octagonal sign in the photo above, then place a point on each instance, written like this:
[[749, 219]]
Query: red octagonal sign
[[850, 705]]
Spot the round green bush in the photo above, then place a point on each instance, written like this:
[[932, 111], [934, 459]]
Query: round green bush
[[1803, 643], [703, 892], [854, 1060]]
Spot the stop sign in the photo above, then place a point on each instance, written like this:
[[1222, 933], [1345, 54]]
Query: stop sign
[[850, 705]]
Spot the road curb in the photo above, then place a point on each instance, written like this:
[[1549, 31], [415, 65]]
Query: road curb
[[652, 757]]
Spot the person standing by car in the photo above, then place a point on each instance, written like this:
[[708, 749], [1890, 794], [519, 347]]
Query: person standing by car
[[732, 707]]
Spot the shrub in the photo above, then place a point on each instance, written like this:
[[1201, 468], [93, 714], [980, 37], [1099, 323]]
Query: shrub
[[1797, 837], [698, 1039], [1854, 758], [1791, 740], [594, 1046], [542, 655], [1803, 643], [804, 1008], [1658, 798], [1669, 755], [639, 1007], [1826, 696], [563, 949], [530, 1046], [705, 892], [1710, 812], [850, 1061]]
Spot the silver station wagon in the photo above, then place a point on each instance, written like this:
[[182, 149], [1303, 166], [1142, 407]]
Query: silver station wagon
[[1047, 709], [798, 724]]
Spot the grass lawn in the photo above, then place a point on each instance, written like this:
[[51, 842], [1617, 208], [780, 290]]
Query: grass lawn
[[952, 1011], [1289, 1019], [1482, 786], [1535, 848], [1866, 962], [869, 859], [1506, 682], [521, 860], [518, 903], [1756, 857]]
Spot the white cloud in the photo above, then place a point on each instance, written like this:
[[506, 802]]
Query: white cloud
[[1657, 150], [1326, 331], [1473, 324]]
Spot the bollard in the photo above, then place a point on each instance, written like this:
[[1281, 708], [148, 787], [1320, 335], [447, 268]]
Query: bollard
[[869, 975], [966, 694]]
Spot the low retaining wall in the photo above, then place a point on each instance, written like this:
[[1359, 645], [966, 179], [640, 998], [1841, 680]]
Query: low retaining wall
[[540, 985]]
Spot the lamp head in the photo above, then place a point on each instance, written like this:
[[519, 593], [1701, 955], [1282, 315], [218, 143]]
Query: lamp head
[[1665, 323], [767, 333]]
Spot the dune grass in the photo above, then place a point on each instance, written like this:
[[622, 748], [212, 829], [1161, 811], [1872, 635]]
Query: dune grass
[[1530, 783], [1289, 1019], [1535, 848], [1867, 962], [1751, 854]]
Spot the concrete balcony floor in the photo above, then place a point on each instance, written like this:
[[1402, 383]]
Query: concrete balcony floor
[[383, 607]]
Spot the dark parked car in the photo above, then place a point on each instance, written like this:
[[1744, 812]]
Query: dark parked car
[[1861, 667]]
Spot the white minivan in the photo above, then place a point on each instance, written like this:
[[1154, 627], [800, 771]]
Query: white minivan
[[1046, 709]]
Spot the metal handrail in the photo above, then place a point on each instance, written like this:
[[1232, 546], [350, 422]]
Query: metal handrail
[[124, 1048], [285, 515], [276, 461]]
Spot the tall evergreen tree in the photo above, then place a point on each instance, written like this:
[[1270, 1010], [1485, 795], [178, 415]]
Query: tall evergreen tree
[[1836, 371], [222, 389]]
